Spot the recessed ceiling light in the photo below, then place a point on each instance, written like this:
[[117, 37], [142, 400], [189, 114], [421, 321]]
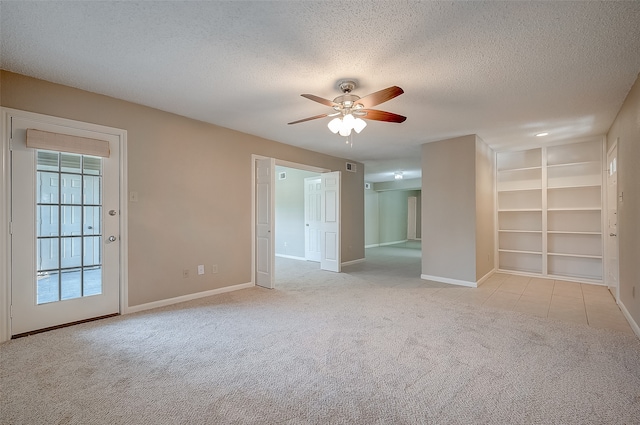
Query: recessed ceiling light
[[542, 134]]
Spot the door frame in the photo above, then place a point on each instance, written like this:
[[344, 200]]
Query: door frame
[[605, 224], [278, 162], [5, 211], [306, 210]]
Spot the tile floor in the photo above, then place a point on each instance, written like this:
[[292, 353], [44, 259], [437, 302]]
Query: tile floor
[[591, 305]]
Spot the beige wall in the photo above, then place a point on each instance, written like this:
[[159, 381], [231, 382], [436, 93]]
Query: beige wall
[[371, 218], [626, 129], [449, 209], [485, 208], [289, 210], [194, 185], [386, 215], [393, 212], [458, 208]]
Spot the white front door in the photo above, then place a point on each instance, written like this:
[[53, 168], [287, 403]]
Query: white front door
[[612, 225], [265, 222], [312, 218], [64, 210], [330, 222]]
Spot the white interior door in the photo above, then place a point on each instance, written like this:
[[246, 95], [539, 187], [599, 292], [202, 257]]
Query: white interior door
[[411, 217], [612, 227], [330, 258], [64, 268], [265, 222], [313, 215]]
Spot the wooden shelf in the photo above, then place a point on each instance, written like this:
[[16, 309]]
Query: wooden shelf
[[519, 231], [576, 186], [567, 232], [574, 153], [515, 251], [520, 261], [520, 160], [559, 254], [516, 179], [574, 209], [522, 210], [508, 170], [568, 164], [529, 189]]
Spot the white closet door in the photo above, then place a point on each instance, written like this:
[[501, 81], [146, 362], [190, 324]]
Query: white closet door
[[265, 222], [330, 242]]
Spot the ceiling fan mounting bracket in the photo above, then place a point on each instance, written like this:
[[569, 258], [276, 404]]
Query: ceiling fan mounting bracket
[[346, 86]]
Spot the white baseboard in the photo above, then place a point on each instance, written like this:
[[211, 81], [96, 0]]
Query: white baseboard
[[627, 315], [375, 245], [183, 298], [450, 281], [348, 263], [394, 242], [486, 276], [552, 276], [292, 257]]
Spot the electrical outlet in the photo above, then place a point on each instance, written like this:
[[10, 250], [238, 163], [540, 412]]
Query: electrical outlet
[[214, 268], [201, 269], [185, 273]]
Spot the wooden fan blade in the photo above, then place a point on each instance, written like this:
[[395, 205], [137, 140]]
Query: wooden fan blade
[[319, 99], [310, 118], [372, 114], [379, 97]]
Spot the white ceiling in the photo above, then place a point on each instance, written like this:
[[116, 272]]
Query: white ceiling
[[502, 70]]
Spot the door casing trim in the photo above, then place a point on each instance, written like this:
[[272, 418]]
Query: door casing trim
[[283, 163], [605, 218], [5, 211]]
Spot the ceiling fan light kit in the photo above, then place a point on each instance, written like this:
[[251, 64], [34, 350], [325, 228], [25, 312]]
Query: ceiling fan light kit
[[346, 124], [351, 110]]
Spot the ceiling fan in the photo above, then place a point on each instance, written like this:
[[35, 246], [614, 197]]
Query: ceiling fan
[[351, 110]]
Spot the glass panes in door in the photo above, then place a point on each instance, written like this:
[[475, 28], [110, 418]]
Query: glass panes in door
[[69, 226]]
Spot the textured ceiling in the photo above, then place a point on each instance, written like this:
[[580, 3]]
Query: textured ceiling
[[502, 70]]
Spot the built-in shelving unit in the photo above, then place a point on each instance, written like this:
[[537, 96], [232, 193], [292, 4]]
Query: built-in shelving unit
[[550, 211], [519, 188]]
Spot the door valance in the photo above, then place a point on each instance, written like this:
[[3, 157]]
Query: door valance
[[38, 139]]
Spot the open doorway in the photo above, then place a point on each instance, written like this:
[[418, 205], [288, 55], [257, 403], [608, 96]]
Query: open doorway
[[289, 202], [392, 217], [293, 238], [393, 227]]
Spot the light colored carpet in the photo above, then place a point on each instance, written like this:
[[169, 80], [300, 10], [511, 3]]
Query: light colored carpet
[[368, 346]]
